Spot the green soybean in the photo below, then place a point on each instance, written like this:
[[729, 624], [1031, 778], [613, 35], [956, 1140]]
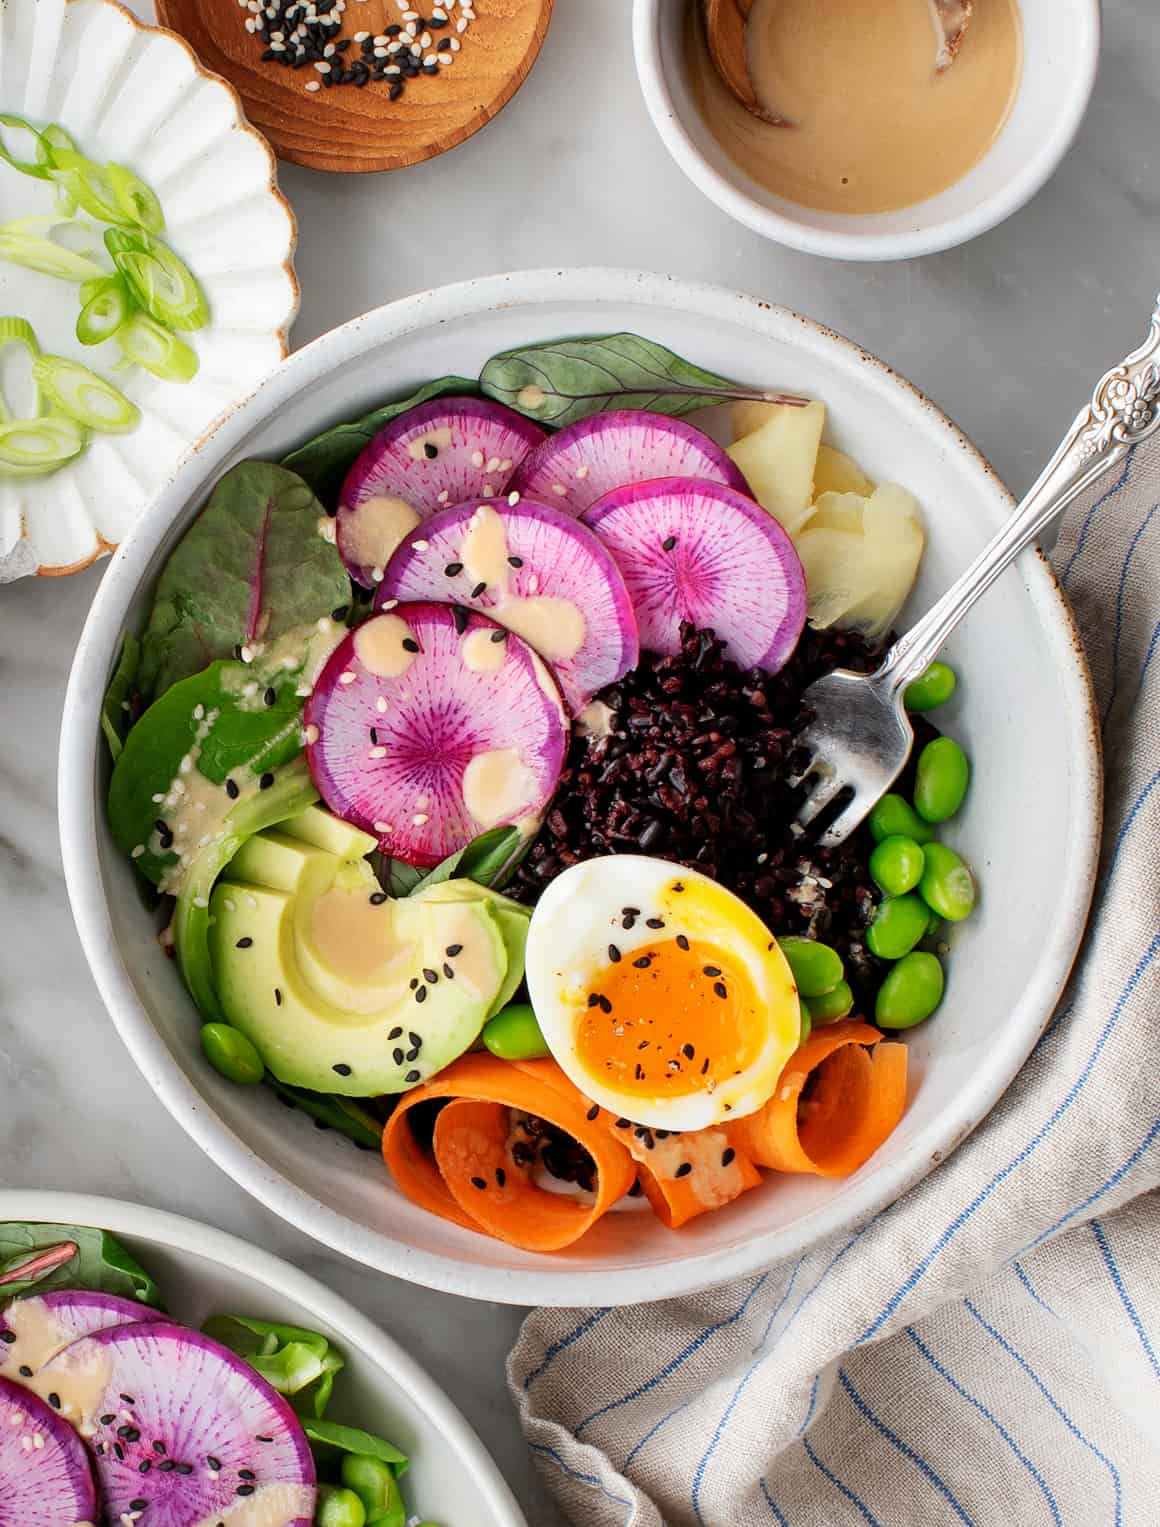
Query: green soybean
[[229, 1051], [833, 1004], [394, 1513], [816, 968], [896, 864], [895, 817], [339, 1508], [947, 885], [514, 1034], [910, 993], [931, 689], [372, 1480], [941, 781], [898, 925], [807, 1023]]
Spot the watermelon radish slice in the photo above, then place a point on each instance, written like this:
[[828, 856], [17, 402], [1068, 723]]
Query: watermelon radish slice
[[437, 454], [46, 1479], [535, 571], [35, 1328], [183, 1432], [429, 725], [699, 551], [574, 468]]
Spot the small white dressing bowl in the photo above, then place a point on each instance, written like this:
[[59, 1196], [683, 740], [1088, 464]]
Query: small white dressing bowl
[[1061, 46]]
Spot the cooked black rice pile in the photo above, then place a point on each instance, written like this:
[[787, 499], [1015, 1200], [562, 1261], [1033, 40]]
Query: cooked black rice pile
[[695, 770]]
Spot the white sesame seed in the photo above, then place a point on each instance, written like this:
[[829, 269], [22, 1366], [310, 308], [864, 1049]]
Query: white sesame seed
[[378, 752], [381, 706], [416, 50], [425, 40], [477, 458], [323, 69], [393, 69], [328, 51], [376, 574], [461, 26], [420, 545], [513, 499], [383, 827], [419, 819], [558, 487], [310, 735], [314, 85], [136, 853], [455, 45], [446, 58], [382, 53], [346, 677], [387, 604], [361, 36], [444, 496], [582, 472]]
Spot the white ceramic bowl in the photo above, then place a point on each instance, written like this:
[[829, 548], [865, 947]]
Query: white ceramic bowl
[[1061, 54], [1023, 713], [203, 1272]]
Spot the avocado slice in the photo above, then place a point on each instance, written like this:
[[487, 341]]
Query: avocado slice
[[513, 919], [330, 979], [321, 829]]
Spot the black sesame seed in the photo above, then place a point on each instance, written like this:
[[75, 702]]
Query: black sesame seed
[[232, 789], [421, 994], [183, 1468], [643, 963], [720, 988], [159, 1447], [414, 983], [245, 1490], [668, 543], [727, 1155], [409, 644], [688, 1052], [684, 1169], [138, 1505], [452, 950], [120, 1452], [343, 610], [623, 1123], [453, 569], [605, 1004], [654, 922], [711, 970], [105, 1420], [639, 1072], [478, 1182], [448, 972], [395, 91], [375, 735], [593, 1112], [266, 781], [444, 43], [459, 615], [271, 696], [430, 450], [397, 1056], [376, 898], [479, 589], [499, 636], [413, 1053], [54, 1401], [430, 977], [682, 941], [515, 561], [412, 1076], [25, 1371], [500, 1176], [395, 1032], [246, 1474], [614, 954], [704, 1065], [144, 1466], [244, 943], [278, 996], [340, 1068], [7, 1337]]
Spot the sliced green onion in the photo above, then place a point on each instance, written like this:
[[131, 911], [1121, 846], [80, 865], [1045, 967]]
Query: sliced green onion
[[147, 344], [54, 137], [158, 278], [35, 447], [88, 184], [107, 307], [23, 243], [18, 331], [137, 200], [85, 396], [89, 289], [38, 167]]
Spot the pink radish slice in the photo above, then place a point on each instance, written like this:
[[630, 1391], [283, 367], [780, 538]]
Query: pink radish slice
[[178, 1422], [437, 454], [573, 469], [46, 1478], [699, 551], [535, 571], [35, 1328], [430, 725]]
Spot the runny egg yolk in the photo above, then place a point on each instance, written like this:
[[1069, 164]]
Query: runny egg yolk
[[674, 1018]]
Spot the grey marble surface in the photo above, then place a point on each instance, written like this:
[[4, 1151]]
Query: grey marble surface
[[1007, 334]]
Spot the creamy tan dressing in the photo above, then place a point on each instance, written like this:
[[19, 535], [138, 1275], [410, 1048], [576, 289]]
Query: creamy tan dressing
[[374, 529], [378, 645], [356, 938], [449, 922], [554, 627], [481, 654], [531, 397], [271, 1505], [77, 1373], [438, 439], [484, 553], [874, 125], [497, 785]]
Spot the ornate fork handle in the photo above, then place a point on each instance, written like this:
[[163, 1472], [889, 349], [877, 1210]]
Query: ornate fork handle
[[1124, 409]]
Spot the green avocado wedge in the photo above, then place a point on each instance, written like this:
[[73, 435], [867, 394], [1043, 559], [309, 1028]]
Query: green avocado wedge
[[513, 919]]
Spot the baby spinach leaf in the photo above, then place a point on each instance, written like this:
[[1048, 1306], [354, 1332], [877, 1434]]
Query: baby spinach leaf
[[225, 731], [294, 1361], [250, 568], [350, 1439], [116, 716], [37, 1258], [396, 877], [325, 460], [485, 859], [569, 379], [344, 1115]]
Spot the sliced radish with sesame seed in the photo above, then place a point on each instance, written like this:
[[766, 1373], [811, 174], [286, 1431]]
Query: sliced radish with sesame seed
[[436, 454], [574, 468], [535, 571], [46, 1479], [472, 736], [701, 552]]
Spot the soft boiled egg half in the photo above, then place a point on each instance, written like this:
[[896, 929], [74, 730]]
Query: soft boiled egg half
[[662, 996]]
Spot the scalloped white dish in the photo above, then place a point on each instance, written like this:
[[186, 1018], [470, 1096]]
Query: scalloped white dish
[[136, 94]]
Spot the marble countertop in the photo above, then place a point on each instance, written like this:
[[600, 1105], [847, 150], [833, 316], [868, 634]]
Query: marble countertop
[[1007, 334]]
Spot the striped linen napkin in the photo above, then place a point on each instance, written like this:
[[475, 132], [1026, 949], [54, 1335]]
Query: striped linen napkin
[[986, 1351]]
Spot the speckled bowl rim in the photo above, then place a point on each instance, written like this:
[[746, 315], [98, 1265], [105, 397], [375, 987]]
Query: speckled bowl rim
[[564, 1284], [784, 228], [282, 333], [359, 1334]]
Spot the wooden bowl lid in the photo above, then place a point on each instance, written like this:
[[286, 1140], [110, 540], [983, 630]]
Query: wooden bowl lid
[[353, 128]]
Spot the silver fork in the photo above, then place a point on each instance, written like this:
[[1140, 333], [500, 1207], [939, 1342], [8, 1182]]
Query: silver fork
[[859, 736]]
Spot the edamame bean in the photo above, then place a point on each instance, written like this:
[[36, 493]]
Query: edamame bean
[[895, 817], [896, 865], [931, 689], [947, 885], [372, 1480], [394, 1513], [514, 1034], [898, 925], [339, 1508], [816, 968], [941, 781], [229, 1051], [910, 993], [834, 1004], [807, 1023]]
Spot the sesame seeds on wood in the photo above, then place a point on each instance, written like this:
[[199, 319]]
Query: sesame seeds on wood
[[362, 128]]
